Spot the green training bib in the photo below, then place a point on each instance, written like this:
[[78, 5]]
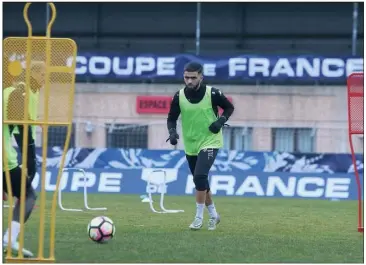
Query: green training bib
[[196, 119], [12, 154], [33, 111]]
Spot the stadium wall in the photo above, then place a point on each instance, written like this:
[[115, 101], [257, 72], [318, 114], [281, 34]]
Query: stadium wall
[[260, 107]]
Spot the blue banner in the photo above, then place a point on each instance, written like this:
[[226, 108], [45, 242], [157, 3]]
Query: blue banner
[[234, 173], [180, 182], [226, 161], [309, 68]]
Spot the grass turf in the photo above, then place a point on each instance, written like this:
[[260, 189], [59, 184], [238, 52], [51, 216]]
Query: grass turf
[[251, 231]]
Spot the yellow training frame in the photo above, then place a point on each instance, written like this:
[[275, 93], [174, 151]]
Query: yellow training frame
[[55, 108]]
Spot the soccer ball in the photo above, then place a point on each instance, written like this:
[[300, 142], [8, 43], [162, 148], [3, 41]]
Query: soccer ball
[[101, 229]]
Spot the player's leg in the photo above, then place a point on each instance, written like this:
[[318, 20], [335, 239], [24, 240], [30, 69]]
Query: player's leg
[[210, 204], [191, 160], [31, 157], [214, 216], [17, 132], [30, 199], [204, 162]]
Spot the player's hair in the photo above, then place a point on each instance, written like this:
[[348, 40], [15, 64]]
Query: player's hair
[[193, 67], [37, 66]]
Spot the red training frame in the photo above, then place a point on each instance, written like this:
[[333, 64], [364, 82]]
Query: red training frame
[[355, 96]]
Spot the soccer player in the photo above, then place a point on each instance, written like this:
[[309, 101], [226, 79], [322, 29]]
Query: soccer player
[[38, 70], [13, 109], [202, 134]]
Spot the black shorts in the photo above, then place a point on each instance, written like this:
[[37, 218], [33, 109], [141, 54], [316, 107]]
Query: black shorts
[[202, 163], [15, 177]]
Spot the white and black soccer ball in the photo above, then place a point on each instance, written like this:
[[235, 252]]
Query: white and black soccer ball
[[101, 229]]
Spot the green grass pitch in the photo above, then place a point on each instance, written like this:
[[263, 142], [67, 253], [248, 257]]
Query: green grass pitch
[[251, 231]]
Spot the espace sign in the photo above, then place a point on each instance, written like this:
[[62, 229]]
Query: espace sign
[[153, 104], [157, 104]]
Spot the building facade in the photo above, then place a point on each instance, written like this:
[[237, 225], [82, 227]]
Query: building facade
[[266, 118]]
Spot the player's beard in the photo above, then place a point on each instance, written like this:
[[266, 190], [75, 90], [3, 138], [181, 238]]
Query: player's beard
[[196, 87]]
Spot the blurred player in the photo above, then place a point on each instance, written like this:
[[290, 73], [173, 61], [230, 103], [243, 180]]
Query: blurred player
[[202, 134], [13, 109], [38, 70]]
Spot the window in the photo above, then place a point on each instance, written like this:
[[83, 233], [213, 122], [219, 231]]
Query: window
[[57, 136], [126, 136], [237, 138], [293, 139]]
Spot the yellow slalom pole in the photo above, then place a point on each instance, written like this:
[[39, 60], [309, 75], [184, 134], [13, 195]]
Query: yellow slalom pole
[[57, 73]]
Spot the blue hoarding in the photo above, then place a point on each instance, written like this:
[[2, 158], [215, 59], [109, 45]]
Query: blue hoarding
[[234, 173], [180, 182]]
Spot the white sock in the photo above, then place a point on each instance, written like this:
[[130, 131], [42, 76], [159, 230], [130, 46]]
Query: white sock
[[200, 209], [212, 210], [15, 230]]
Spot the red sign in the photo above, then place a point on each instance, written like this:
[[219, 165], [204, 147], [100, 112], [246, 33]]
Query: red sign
[[157, 104], [153, 104]]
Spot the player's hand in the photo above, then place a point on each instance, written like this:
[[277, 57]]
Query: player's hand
[[216, 126], [32, 160], [173, 137], [32, 168]]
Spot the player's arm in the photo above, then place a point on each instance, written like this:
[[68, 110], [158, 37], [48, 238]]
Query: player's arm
[[16, 112], [16, 105], [173, 116], [16, 108], [174, 112], [220, 100]]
